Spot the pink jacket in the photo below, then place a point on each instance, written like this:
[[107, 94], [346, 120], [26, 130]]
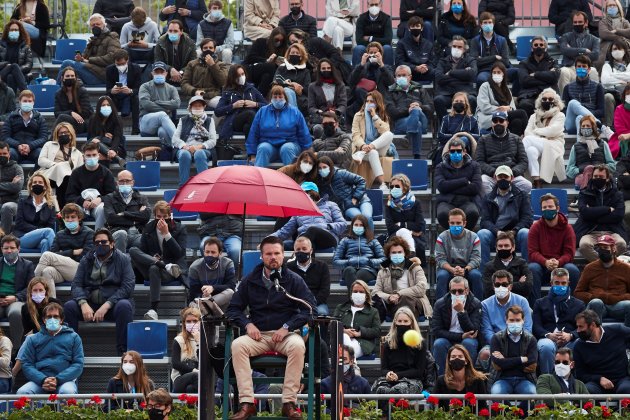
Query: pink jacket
[[622, 126]]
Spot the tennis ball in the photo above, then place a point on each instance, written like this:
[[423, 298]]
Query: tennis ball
[[411, 338]]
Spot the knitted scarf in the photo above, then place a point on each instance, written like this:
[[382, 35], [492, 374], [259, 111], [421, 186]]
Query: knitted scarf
[[590, 141], [403, 203]]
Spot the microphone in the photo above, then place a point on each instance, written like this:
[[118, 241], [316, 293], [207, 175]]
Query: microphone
[[275, 277]]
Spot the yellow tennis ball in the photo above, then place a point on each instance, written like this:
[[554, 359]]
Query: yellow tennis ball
[[411, 338]]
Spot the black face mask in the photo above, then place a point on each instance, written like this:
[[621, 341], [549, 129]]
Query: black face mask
[[295, 59], [37, 189], [578, 28], [278, 44], [599, 183], [329, 129], [503, 184], [401, 330], [296, 10], [210, 260], [69, 82], [546, 105], [4, 160], [584, 335], [457, 364], [96, 31], [539, 50], [326, 74], [498, 130], [156, 414], [302, 257], [459, 107], [504, 254], [64, 139], [604, 255], [415, 32]]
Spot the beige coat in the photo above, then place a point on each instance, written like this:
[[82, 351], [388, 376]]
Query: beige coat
[[57, 171], [620, 25], [257, 12], [358, 130], [552, 160]]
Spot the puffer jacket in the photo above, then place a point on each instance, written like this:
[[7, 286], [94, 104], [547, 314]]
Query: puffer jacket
[[14, 132], [278, 127], [328, 147], [544, 242], [118, 284], [9, 190], [358, 252], [199, 76], [225, 109], [503, 10], [366, 321], [99, 52], [417, 289], [545, 75], [493, 151], [458, 183], [397, 101], [342, 186], [25, 57], [332, 220], [595, 214], [66, 242], [518, 207], [460, 78]]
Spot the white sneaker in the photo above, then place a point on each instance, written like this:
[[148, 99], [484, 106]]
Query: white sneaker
[[173, 270], [606, 132], [151, 315], [383, 187], [358, 156]]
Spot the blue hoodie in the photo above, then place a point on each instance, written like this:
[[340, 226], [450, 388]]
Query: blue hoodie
[[332, 221], [278, 127]]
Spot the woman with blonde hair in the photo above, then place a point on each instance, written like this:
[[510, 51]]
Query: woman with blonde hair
[[460, 375], [39, 293], [59, 157], [184, 355], [35, 217], [294, 76], [371, 136], [459, 119], [131, 378]]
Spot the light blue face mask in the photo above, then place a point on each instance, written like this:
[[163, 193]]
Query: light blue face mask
[[515, 328], [216, 14], [53, 324], [581, 72], [402, 82], [324, 172], [173, 37], [396, 192], [457, 8], [91, 162], [612, 11], [106, 111], [125, 189], [14, 35], [397, 258], [358, 230], [71, 225], [26, 106], [487, 27], [369, 106], [159, 79], [278, 103], [456, 230]]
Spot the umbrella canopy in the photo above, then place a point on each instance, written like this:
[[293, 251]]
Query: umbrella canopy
[[244, 190]]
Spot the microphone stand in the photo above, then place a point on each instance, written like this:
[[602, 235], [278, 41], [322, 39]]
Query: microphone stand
[[296, 299]]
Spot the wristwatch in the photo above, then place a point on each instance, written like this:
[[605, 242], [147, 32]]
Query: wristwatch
[[285, 326]]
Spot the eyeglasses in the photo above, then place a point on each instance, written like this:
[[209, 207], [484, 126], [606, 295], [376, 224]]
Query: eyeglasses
[[158, 406], [458, 291], [547, 99], [125, 181], [564, 362], [538, 45], [501, 284], [103, 242]]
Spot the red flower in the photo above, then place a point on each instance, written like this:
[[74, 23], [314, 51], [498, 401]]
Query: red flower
[[540, 406], [19, 404], [588, 406], [71, 402], [495, 407], [143, 404], [96, 399], [52, 397], [322, 396], [347, 412], [605, 412], [182, 397], [484, 412], [520, 412], [625, 402], [433, 400], [402, 403], [392, 401], [470, 397], [191, 399], [455, 402]]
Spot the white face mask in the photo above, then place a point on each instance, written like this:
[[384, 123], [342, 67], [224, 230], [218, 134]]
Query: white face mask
[[456, 52], [197, 112], [129, 368], [358, 298], [497, 78], [374, 10], [305, 167], [628, 99], [458, 298], [501, 292], [562, 370], [241, 80], [618, 54], [122, 69], [346, 368]]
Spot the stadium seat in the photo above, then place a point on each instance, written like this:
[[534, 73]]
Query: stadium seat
[[66, 49], [560, 194], [146, 175], [149, 338], [416, 170], [523, 47], [232, 162], [250, 260], [44, 96], [179, 215], [376, 197]]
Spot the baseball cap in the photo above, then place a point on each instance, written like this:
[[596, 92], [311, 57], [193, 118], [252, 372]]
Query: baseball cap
[[159, 65], [606, 240], [503, 170], [197, 98], [500, 114], [309, 186]]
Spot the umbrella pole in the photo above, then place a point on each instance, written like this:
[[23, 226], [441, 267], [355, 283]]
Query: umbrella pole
[[240, 257]]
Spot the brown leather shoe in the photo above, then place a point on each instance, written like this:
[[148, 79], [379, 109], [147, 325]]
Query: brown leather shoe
[[247, 410], [289, 410]]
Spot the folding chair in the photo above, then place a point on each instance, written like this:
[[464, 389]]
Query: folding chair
[[146, 175], [149, 338]]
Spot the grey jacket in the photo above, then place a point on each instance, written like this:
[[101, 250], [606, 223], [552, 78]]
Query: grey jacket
[[155, 99]]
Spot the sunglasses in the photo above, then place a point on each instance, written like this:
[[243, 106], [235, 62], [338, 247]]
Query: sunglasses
[[103, 242], [501, 284], [564, 362], [498, 120], [538, 45], [458, 291]]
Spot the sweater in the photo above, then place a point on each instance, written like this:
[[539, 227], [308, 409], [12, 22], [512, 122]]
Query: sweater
[[622, 126], [148, 32], [478, 386], [221, 278], [316, 277], [458, 251], [545, 242], [156, 98], [379, 29], [366, 321], [328, 147], [548, 384], [606, 358], [66, 242], [611, 285], [486, 105], [404, 361], [493, 315], [82, 178]]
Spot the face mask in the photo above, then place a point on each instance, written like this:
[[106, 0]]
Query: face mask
[[96, 31], [618, 54], [277, 44], [503, 184], [397, 258], [26, 106], [501, 292], [129, 368], [612, 11], [604, 255], [11, 257], [459, 107], [586, 132], [581, 72], [241, 80], [546, 106], [504, 254], [324, 172], [91, 162], [102, 250], [210, 260], [457, 8], [459, 298], [37, 189], [559, 290], [156, 414], [515, 328], [159, 79], [396, 192], [4, 160], [64, 139], [106, 111], [125, 189], [487, 28], [296, 10], [346, 368], [173, 37], [627, 99], [456, 52], [374, 10], [416, 32], [197, 112], [52, 324], [456, 157], [216, 14], [122, 69], [38, 297], [584, 335], [369, 106], [358, 230], [306, 167], [562, 370], [69, 82], [14, 35], [278, 103], [302, 257], [549, 214], [457, 364], [326, 74], [498, 130], [456, 230], [578, 28], [599, 183], [71, 226], [295, 59], [497, 78], [192, 327], [402, 82], [539, 50], [329, 129], [358, 298]]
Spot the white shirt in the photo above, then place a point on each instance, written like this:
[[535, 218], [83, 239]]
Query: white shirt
[[455, 327]]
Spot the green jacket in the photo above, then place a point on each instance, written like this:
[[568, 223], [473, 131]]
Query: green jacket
[[367, 321], [548, 384]]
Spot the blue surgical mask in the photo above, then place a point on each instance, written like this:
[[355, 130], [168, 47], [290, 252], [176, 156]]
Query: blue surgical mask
[[278, 103], [456, 157], [53, 324], [457, 8], [216, 14], [14, 35], [324, 172], [612, 11], [159, 79], [487, 27], [173, 37], [71, 225], [396, 192], [125, 189], [515, 328], [549, 214], [456, 230], [559, 290], [358, 230], [26, 106], [397, 258], [369, 106], [581, 72], [92, 162], [402, 82], [106, 111]]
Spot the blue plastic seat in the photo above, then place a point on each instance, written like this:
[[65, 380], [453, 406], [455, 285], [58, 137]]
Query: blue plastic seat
[[149, 338], [146, 175], [250, 260], [44, 97], [179, 215], [416, 170], [523, 47], [243, 162], [376, 197], [560, 194], [65, 49]]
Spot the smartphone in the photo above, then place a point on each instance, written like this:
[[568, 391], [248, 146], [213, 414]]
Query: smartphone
[[119, 84]]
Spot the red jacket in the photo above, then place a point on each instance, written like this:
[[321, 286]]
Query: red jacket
[[546, 242]]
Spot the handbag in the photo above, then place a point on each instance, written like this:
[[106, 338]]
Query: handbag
[[366, 84], [148, 153]]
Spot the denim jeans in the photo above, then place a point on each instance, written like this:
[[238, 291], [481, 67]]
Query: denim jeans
[[159, 123], [322, 309], [620, 310], [574, 111], [413, 125], [359, 50], [441, 346], [231, 245], [547, 354], [184, 158], [542, 276], [443, 277], [41, 239], [267, 153], [622, 386], [31, 30], [488, 240], [69, 387], [513, 385], [87, 77], [365, 208]]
